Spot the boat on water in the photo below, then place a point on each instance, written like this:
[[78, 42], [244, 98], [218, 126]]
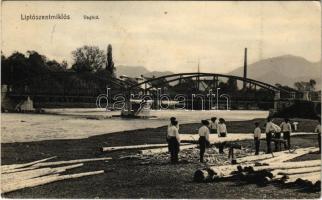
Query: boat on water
[[137, 109]]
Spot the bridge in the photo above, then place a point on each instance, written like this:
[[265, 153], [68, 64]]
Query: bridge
[[203, 83], [73, 87]]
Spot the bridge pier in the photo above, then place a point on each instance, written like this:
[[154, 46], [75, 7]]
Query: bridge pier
[[277, 99]]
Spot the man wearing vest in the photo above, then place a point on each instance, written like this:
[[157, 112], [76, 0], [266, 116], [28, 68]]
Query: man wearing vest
[[269, 130], [286, 130]]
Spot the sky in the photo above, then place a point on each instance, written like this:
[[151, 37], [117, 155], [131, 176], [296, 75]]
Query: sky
[[169, 35]]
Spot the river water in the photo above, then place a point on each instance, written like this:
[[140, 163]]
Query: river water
[[83, 123]]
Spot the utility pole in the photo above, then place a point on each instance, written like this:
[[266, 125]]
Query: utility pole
[[245, 69]]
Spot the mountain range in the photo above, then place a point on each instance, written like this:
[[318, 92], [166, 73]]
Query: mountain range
[[136, 71], [285, 70]]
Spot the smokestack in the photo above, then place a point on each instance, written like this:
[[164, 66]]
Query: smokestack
[[245, 68]]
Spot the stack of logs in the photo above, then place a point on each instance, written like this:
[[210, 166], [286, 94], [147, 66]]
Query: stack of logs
[[19, 176], [266, 168]]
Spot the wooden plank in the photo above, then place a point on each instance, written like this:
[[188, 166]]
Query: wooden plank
[[44, 180], [45, 164]]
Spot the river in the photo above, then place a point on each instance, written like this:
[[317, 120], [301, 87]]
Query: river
[[83, 123]]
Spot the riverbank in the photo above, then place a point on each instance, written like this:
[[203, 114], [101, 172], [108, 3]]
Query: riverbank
[[133, 178]]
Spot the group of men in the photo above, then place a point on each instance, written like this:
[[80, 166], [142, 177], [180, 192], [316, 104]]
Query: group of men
[[273, 132], [214, 126]]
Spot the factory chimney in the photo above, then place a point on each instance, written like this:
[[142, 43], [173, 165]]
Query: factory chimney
[[245, 69]]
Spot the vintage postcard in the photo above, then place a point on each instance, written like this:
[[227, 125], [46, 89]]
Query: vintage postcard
[[161, 99]]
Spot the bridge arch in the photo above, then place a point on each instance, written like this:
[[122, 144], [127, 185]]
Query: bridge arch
[[182, 76]]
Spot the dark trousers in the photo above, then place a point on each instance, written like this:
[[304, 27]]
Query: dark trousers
[[277, 136], [222, 145], [202, 146], [257, 143], [268, 141], [319, 140], [174, 149], [287, 137], [167, 139]]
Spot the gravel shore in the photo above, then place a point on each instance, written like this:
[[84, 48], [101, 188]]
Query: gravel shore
[[154, 177]]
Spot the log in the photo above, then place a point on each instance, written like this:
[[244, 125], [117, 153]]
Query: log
[[5, 168], [286, 155], [225, 171], [19, 170], [310, 178], [44, 180], [298, 170], [303, 133], [214, 139], [70, 162], [14, 177], [164, 149], [274, 156], [231, 137], [288, 165], [201, 176], [117, 148]]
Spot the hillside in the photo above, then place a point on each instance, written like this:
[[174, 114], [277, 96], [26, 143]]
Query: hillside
[[285, 70]]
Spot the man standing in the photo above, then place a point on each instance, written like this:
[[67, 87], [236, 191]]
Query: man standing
[[173, 141], [172, 119], [222, 132], [257, 137], [269, 130], [203, 138], [286, 130], [213, 125], [318, 131]]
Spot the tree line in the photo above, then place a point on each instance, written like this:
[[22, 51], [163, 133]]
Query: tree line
[[86, 59]]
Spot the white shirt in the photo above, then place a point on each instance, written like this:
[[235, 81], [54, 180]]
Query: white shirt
[[271, 127], [286, 127], [257, 132], [213, 125], [176, 126], [221, 128], [318, 128], [173, 132], [204, 131]]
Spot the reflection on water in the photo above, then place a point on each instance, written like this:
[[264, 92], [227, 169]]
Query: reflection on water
[[83, 123]]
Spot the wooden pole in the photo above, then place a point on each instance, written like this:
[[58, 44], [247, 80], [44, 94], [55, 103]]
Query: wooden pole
[[20, 176], [5, 168], [165, 149], [71, 161], [116, 148]]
